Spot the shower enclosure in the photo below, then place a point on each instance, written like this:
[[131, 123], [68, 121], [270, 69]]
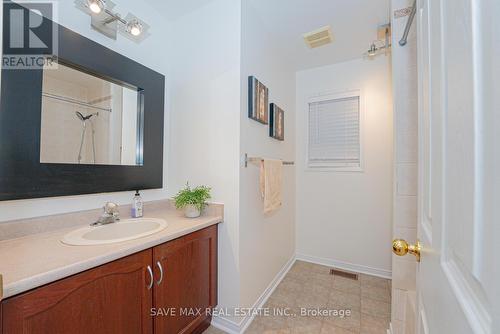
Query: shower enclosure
[[88, 120]]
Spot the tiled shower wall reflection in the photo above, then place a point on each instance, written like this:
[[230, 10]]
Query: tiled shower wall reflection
[[405, 94]]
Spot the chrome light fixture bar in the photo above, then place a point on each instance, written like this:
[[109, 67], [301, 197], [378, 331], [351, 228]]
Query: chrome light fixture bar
[[108, 22]]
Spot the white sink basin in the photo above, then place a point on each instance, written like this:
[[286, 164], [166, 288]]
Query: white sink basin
[[122, 230]]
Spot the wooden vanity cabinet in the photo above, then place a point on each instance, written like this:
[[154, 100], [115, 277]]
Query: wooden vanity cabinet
[[116, 298]]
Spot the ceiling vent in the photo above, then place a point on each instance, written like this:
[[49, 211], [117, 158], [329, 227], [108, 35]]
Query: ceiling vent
[[319, 37]]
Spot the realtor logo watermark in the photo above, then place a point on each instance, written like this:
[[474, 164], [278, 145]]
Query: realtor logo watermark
[[30, 36]]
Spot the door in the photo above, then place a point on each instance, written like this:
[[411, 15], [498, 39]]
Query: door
[[112, 298], [187, 283], [458, 277]]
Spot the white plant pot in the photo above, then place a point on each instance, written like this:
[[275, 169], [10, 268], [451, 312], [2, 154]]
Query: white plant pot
[[191, 211]]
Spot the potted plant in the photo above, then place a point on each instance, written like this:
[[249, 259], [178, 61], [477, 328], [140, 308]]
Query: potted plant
[[193, 201]]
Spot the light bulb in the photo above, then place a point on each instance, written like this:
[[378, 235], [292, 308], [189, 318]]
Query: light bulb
[[96, 6], [134, 27], [135, 31]]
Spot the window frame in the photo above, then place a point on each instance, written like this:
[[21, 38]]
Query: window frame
[[333, 166]]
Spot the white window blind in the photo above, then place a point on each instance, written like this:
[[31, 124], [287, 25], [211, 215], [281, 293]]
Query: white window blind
[[334, 133]]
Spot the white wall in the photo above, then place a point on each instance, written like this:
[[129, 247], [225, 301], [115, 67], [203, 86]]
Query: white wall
[[214, 49], [344, 218], [153, 53], [267, 242], [204, 95]]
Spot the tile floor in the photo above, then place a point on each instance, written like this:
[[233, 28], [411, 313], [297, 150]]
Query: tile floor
[[309, 286]]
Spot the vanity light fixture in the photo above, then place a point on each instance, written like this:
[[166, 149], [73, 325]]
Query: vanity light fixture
[[382, 45], [108, 22]]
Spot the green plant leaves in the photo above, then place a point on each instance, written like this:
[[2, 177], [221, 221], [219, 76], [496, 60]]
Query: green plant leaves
[[197, 197]]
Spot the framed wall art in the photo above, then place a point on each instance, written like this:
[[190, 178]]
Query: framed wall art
[[276, 122], [258, 101]]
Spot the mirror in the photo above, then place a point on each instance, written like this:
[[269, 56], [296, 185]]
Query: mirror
[[86, 119]]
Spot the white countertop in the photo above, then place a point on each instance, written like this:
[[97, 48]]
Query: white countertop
[[36, 259]]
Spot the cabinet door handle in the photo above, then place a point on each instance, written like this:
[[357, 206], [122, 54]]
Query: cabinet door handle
[[151, 281], [161, 273]]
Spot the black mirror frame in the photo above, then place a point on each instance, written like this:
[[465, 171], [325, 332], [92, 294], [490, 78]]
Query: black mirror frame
[[21, 173]]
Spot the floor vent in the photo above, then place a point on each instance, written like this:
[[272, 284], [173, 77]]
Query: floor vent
[[345, 274]]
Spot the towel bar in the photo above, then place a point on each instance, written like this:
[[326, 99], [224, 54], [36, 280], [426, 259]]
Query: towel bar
[[258, 159]]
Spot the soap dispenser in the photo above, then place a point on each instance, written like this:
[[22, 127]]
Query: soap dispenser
[[137, 205]]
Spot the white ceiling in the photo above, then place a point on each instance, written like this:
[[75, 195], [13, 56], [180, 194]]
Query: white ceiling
[[173, 9], [354, 25]]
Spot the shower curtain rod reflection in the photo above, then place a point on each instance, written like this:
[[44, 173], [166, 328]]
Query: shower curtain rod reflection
[[73, 101]]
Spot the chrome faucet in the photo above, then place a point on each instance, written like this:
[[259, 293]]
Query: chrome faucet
[[110, 215]]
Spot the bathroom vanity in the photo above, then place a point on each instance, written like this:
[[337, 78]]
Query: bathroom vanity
[[163, 283]]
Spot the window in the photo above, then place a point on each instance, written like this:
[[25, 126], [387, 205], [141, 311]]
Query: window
[[335, 132]]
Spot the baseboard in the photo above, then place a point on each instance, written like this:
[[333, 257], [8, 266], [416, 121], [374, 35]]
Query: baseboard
[[346, 266], [226, 325], [232, 327]]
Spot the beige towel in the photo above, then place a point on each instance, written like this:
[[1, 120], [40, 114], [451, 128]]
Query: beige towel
[[270, 183]]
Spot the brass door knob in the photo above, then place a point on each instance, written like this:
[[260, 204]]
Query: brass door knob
[[400, 247]]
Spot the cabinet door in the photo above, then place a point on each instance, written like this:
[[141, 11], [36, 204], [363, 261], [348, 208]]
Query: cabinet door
[[189, 284], [112, 298]]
